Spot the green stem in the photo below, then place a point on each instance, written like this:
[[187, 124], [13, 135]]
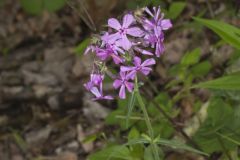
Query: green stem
[[147, 121]]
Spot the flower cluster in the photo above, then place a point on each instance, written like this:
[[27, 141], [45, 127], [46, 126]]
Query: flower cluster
[[125, 43]]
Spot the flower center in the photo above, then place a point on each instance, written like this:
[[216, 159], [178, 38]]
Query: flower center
[[122, 31], [138, 68]]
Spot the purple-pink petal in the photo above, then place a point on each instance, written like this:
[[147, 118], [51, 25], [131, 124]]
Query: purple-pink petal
[[112, 38], [143, 51], [114, 23], [129, 86], [125, 43], [116, 58], [132, 74], [148, 62], [88, 85], [146, 70], [117, 83], [122, 93], [166, 24], [126, 68], [135, 32], [96, 92], [137, 61], [149, 12], [128, 19], [159, 49], [108, 97]]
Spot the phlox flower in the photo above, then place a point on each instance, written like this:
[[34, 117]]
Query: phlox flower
[[144, 67], [95, 87], [124, 30], [123, 83]]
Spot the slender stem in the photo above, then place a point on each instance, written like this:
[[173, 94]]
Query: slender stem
[[147, 121], [224, 148]]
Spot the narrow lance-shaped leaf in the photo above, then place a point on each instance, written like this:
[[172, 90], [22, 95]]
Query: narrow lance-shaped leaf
[[130, 107], [178, 145], [228, 33], [176, 9], [230, 82]]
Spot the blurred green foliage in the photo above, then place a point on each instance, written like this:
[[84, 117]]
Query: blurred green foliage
[[36, 7]]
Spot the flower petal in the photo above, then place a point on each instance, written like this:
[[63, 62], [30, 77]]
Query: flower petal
[[108, 97], [166, 24], [117, 83], [131, 75], [129, 86], [102, 54], [112, 38], [157, 13], [88, 49], [122, 93], [97, 79], [135, 32], [148, 62], [125, 43], [142, 51], [114, 23], [149, 12], [137, 61], [116, 59], [159, 49], [88, 86], [123, 75], [128, 19], [146, 70], [96, 92], [126, 68]]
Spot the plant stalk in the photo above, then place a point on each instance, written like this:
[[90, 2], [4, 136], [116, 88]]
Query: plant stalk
[[147, 121]]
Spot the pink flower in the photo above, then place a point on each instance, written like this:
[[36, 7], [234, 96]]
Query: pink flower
[[157, 21], [95, 87], [124, 30], [139, 67], [123, 83], [104, 53]]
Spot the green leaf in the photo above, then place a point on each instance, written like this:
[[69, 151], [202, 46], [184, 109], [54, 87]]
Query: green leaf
[[228, 33], [32, 6], [82, 46], [222, 119], [201, 69], [136, 141], [90, 138], [53, 5], [229, 139], [191, 57], [230, 82], [219, 112], [131, 104], [133, 134], [112, 153], [176, 9], [179, 145], [37, 6], [148, 155]]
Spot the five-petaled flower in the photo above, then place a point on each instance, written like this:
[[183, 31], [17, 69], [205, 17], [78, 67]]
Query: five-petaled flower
[[144, 67], [124, 30], [95, 87], [123, 83]]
